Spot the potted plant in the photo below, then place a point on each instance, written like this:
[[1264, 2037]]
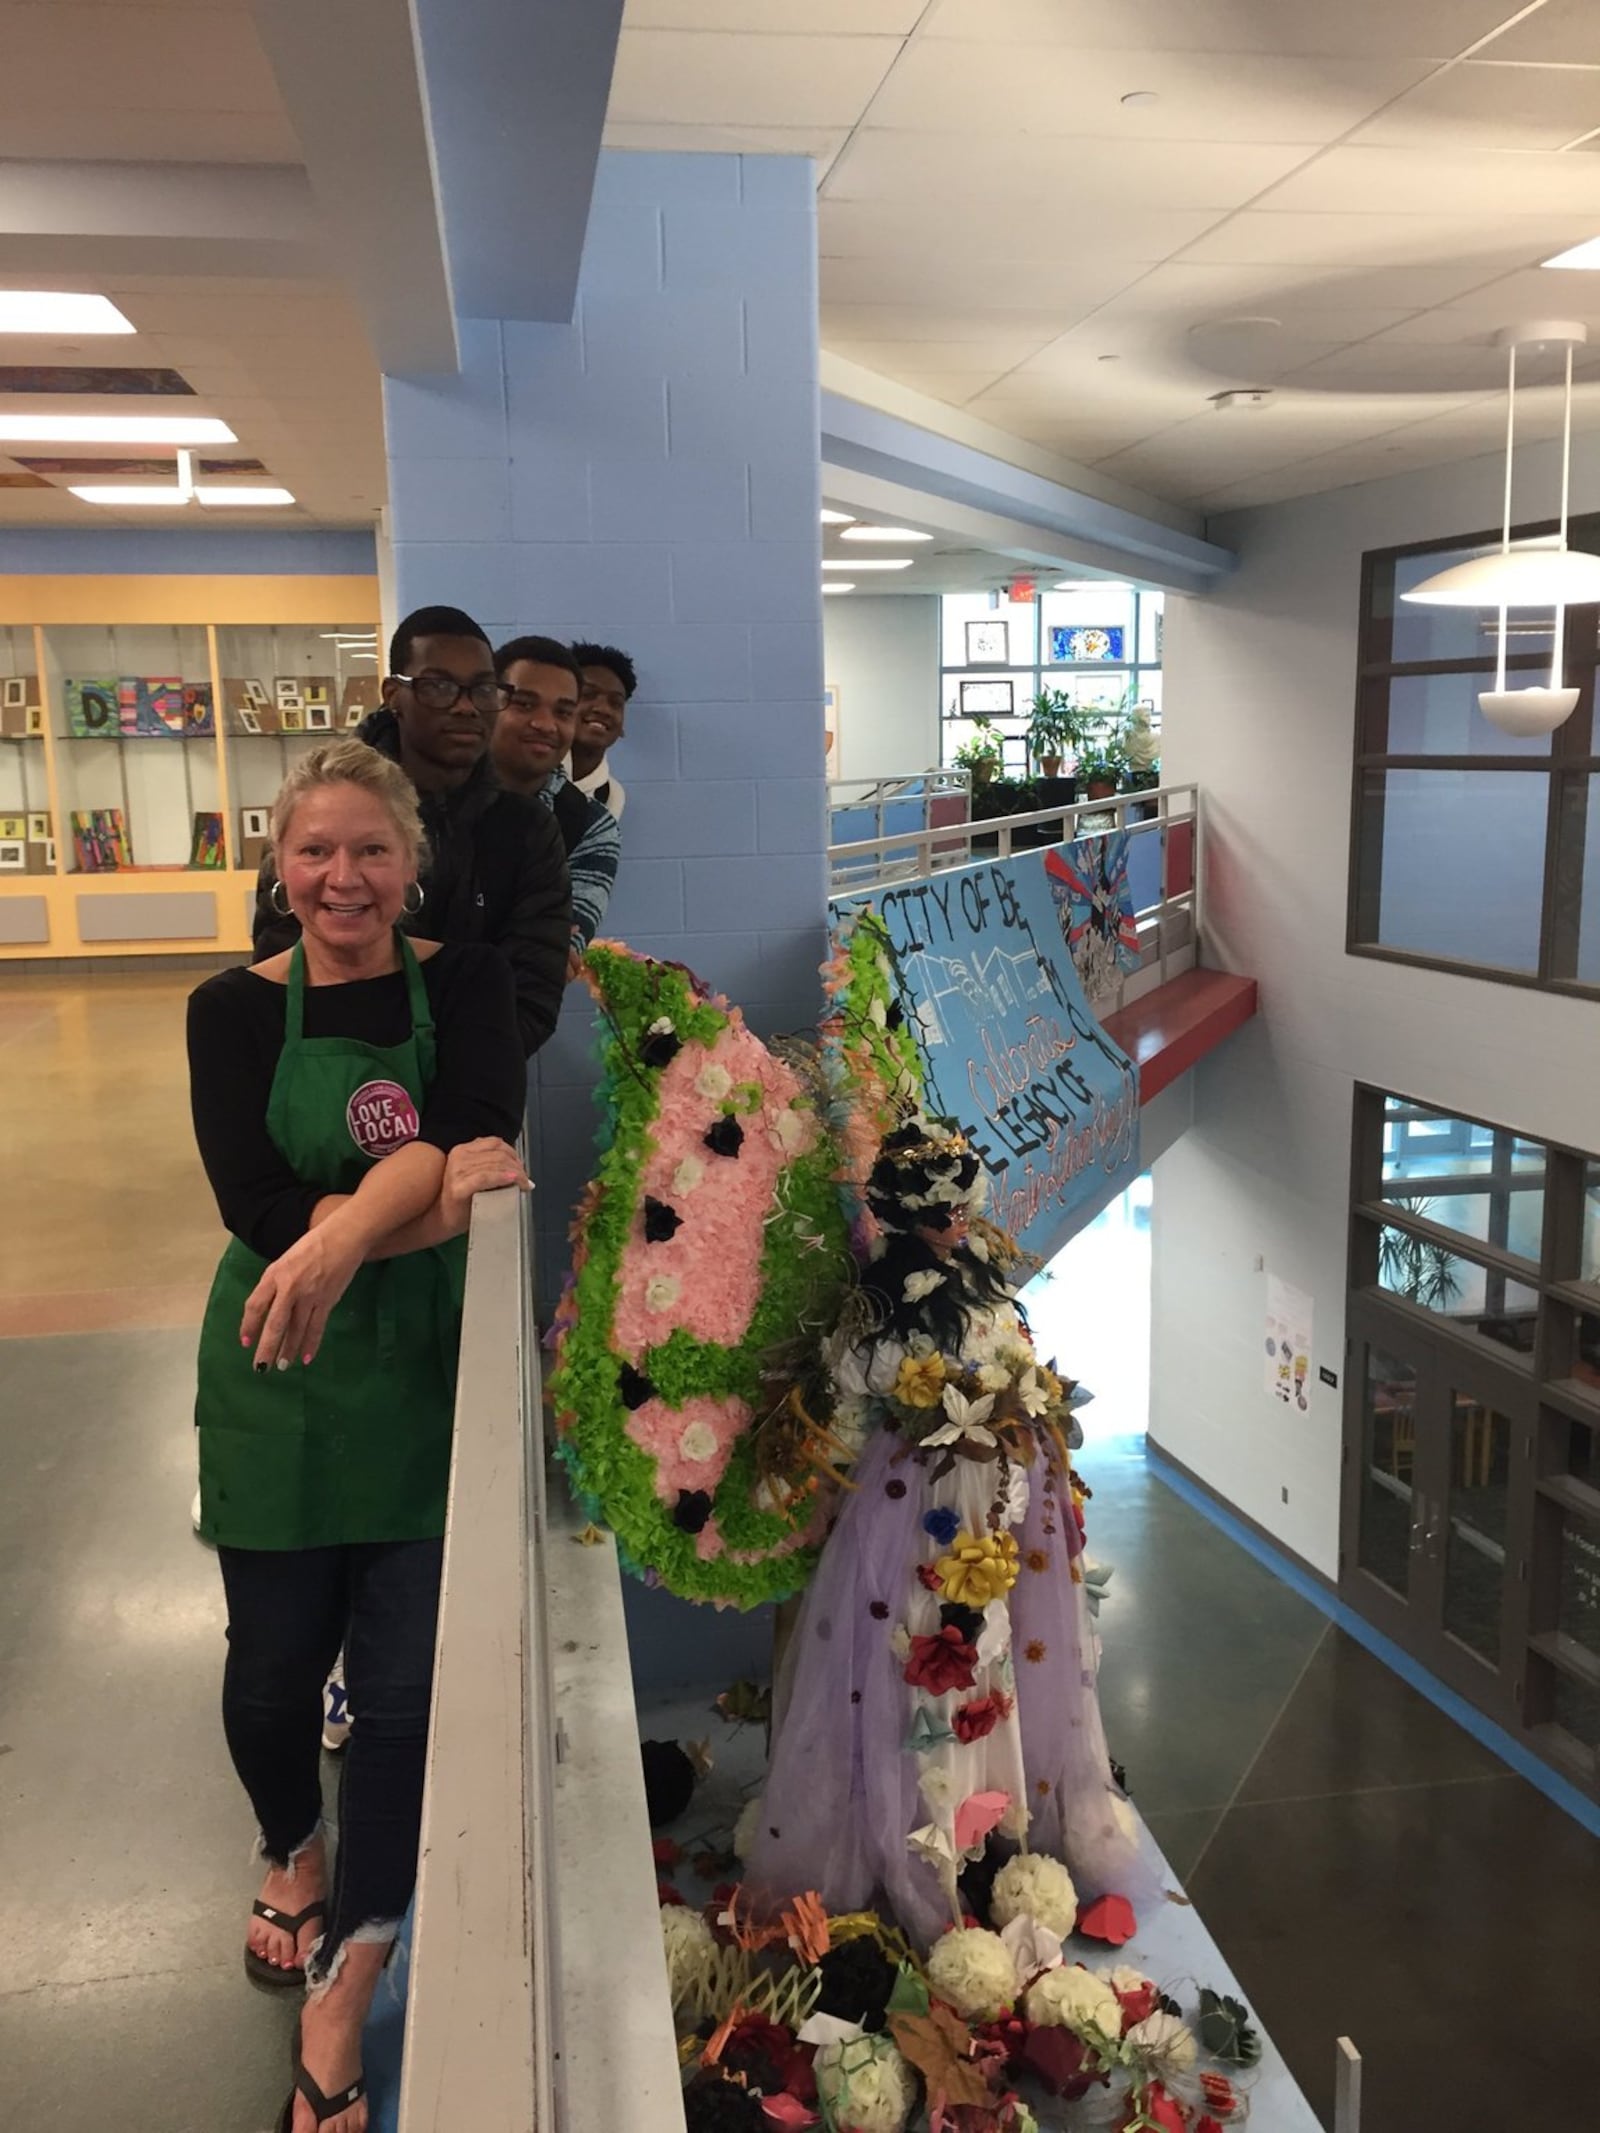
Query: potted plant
[[980, 752], [1103, 762], [1055, 729]]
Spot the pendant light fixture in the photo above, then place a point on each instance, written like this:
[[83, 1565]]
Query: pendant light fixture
[[1539, 573]]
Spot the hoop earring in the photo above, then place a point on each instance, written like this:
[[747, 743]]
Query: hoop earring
[[280, 910], [413, 910]]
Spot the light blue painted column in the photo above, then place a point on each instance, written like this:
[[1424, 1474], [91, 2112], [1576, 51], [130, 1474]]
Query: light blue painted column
[[649, 477]]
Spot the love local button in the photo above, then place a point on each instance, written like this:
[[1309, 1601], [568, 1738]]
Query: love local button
[[381, 1118]]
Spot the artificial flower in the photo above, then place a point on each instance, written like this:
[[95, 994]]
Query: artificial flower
[[698, 1442], [980, 1567], [993, 1377], [928, 1733], [1109, 1918], [941, 1663], [1033, 1885], [661, 1292], [941, 1525], [978, 1813], [725, 1137], [1162, 2111], [865, 2085], [713, 1082], [1164, 2041], [692, 1510], [691, 1951], [977, 1720], [794, 1130], [1220, 2095], [1074, 1998], [1034, 1948], [916, 1286], [968, 1414], [661, 1222], [1032, 1394], [1225, 2028], [688, 1176], [1061, 2061], [938, 1791], [919, 1382], [971, 1970], [900, 1641]]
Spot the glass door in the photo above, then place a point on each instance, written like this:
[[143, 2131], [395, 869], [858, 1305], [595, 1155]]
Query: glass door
[[1439, 1459]]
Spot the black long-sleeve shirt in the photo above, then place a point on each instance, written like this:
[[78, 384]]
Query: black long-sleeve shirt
[[236, 1026]]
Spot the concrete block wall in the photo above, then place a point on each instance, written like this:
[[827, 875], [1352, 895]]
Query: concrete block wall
[[649, 477]]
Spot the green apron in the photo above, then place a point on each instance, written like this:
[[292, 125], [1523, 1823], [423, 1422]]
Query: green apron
[[355, 1447]]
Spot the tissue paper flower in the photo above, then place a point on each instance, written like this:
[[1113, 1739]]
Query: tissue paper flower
[[1033, 1885], [973, 1972]]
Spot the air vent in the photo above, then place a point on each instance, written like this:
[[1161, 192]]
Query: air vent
[[71, 378]]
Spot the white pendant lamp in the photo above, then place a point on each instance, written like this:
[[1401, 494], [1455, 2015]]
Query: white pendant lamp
[[1533, 574]]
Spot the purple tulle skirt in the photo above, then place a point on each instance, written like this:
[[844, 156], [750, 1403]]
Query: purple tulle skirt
[[862, 1761]]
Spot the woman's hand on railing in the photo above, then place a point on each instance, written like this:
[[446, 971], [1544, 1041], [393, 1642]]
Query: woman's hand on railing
[[477, 1166]]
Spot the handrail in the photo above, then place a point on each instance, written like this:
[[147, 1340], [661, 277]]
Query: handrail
[[536, 1998], [481, 2037]]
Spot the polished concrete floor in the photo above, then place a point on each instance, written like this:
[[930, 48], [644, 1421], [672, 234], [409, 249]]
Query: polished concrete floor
[[1366, 1867]]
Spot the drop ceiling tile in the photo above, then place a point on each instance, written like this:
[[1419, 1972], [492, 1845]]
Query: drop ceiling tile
[[1561, 32], [1338, 241], [994, 353], [954, 387], [909, 322], [858, 229], [1533, 293], [1066, 288], [1200, 96], [1431, 29], [1478, 107], [1498, 185], [759, 18], [959, 168], [708, 78]]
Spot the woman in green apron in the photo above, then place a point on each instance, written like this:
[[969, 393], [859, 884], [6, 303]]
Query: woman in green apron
[[349, 1097]]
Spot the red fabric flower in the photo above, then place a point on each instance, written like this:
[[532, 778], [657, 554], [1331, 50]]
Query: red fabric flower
[[1207, 2125], [1164, 2110], [1138, 2006], [666, 1854], [1010, 2032], [666, 1893], [928, 1578], [1110, 1919], [973, 1721], [1062, 2062], [941, 1663], [1219, 2094]]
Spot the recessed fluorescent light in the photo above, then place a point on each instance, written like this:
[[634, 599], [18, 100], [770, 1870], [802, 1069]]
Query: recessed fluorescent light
[[256, 498], [50, 311], [836, 587], [882, 533], [870, 562], [114, 429], [349, 636], [837, 518], [121, 493], [1585, 257]]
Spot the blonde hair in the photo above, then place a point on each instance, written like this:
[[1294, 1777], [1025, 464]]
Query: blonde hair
[[351, 762]]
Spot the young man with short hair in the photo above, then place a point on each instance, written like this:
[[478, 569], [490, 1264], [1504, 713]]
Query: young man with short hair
[[540, 681], [609, 680], [496, 868]]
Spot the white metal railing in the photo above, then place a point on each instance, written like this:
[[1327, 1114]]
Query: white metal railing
[[1169, 923], [537, 1997], [906, 789]]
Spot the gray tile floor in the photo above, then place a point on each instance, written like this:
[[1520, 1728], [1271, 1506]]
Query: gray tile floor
[[125, 1868]]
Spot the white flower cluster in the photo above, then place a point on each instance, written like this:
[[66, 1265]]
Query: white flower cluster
[[972, 1970], [865, 2085]]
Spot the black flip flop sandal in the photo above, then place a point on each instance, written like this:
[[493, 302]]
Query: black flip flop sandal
[[323, 2107], [276, 1977]]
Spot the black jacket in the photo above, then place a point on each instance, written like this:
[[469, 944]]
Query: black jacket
[[496, 871]]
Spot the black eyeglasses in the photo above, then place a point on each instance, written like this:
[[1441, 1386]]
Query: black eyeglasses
[[442, 692]]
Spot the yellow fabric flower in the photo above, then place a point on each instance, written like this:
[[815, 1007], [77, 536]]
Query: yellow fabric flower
[[919, 1382], [980, 1567]]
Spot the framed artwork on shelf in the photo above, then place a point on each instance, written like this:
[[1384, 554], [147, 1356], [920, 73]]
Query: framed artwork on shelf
[[50, 855], [286, 690], [249, 718], [253, 821], [291, 718], [13, 856], [205, 842], [319, 717], [199, 719], [35, 722], [317, 689], [362, 693], [257, 694], [94, 709], [988, 699], [14, 693], [39, 831], [13, 829], [1091, 641], [988, 644]]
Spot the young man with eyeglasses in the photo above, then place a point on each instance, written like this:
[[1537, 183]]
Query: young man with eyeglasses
[[496, 868], [609, 680], [531, 737]]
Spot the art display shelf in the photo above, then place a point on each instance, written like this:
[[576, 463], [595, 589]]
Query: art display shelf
[[127, 755]]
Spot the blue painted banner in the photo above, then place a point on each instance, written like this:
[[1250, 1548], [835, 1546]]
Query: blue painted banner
[[1011, 1047]]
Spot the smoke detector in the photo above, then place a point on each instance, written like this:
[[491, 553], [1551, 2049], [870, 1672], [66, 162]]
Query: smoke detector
[[1241, 398]]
